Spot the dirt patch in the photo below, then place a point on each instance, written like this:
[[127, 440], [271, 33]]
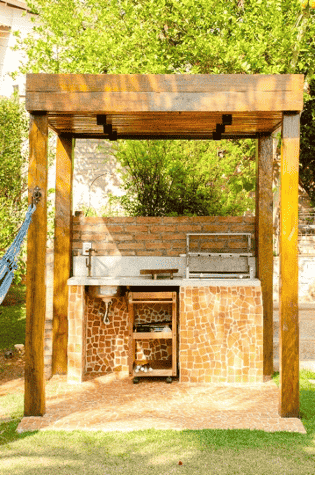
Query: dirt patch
[[11, 368]]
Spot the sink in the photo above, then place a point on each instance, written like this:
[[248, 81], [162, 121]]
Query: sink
[[104, 291]]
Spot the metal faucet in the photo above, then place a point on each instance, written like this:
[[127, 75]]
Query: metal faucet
[[88, 261]]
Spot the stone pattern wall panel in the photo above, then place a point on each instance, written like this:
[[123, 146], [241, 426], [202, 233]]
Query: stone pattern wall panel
[[221, 335], [107, 344], [76, 333]]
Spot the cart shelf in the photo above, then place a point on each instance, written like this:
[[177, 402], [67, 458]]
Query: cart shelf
[[169, 368]]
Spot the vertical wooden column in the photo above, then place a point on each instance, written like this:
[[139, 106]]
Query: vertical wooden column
[[264, 243], [289, 327], [62, 252], [34, 398]]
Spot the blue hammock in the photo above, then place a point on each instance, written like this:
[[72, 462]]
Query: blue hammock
[[8, 261]]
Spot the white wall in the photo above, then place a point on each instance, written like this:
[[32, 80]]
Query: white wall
[[12, 19]]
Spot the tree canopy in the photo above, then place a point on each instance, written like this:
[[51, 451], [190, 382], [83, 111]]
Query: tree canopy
[[166, 178], [171, 36], [13, 131], [177, 36]]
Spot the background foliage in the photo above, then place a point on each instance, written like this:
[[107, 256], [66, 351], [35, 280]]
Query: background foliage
[[180, 36], [13, 156], [166, 178]]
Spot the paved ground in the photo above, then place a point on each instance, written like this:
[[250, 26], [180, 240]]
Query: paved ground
[[307, 337], [111, 403]]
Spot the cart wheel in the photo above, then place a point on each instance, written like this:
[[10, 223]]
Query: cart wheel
[[135, 380], [169, 379]]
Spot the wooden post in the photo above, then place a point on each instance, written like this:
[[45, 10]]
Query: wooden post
[[34, 398], [289, 328], [264, 244], [62, 252]]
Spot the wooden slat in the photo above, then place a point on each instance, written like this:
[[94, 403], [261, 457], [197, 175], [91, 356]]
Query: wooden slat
[[163, 83], [112, 102], [151, 295], [264, 242], [62, 253], [166, 123], [34, 398], [289, 325]]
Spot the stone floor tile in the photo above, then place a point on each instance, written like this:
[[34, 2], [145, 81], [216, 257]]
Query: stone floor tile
[[109, 403]]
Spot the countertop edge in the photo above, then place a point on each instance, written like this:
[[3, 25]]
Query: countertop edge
[[177, 281]]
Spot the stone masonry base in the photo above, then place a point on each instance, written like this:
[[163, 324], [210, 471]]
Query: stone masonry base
[[220, 335]]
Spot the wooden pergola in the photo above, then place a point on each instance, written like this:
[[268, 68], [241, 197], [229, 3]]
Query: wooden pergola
[[163, 107]]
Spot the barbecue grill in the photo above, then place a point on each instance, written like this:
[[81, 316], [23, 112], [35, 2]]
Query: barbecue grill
[[222, 264]]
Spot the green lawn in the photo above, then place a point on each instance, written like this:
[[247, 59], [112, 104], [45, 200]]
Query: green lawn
[[12, 318], [153, 452]]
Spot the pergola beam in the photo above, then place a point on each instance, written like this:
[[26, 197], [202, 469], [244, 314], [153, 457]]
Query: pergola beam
[[288, 290], [62, 252], [264, 244], [104, 94], [69, 104], [34, 399]]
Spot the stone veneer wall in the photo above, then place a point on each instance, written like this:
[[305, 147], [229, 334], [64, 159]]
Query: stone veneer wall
[[107, 344], [221, 335], [159, 236]]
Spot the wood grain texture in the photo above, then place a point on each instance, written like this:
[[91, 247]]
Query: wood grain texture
[[289, 324], [264, 243], [175, 83], [62, 252], [118, 102], [34, 398]]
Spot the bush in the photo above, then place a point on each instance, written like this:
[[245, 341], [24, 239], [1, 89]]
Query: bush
[[13, 165]]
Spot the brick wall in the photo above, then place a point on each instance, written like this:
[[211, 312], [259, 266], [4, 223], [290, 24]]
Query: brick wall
[[159, 236]]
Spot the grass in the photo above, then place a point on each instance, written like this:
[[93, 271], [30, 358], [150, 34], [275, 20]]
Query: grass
[[152, 452], [12, 318]]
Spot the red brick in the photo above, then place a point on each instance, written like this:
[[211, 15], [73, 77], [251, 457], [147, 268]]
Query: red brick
[[149, 220], [105, 246], [178, 220], [241, 228], [162, 228], [136, 228], [189, 228], [122, 238], [148, 236], [158, 245], [174, 236], [215, 228], [130, 245]]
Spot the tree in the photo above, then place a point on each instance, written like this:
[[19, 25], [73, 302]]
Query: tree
[[187, 177], [307, 144], [175, 36], [171, 36], [13, 203]]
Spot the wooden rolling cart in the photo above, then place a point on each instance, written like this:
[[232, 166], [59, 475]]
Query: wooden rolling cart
[[135, 298]]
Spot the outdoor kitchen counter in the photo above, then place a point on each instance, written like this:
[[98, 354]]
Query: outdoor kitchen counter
[[176, 281]]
